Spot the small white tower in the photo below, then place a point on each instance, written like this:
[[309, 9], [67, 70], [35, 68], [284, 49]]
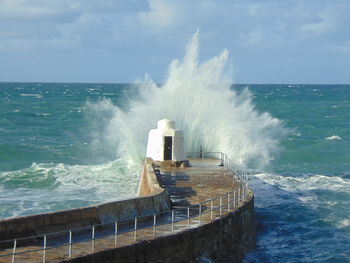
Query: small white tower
[[166, 143]]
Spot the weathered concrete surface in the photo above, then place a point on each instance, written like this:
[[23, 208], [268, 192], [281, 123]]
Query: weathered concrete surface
[[205, 179], [222, 238], [225, 239], [156, 200], [148, 183]]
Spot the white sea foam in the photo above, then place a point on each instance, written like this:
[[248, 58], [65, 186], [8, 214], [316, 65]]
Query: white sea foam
[[199, 98], [43, 114], [274, 189], [344, 223], [49, 187], [333, 137], [306, 182], [301, 213], [38, 96]]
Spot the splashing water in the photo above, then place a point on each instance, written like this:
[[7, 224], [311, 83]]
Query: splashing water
[[199, 98]]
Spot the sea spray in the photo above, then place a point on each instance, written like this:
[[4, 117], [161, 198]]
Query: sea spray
[[200, 99]]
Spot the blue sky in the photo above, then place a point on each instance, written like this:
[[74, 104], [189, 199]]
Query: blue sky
[[270, 41]]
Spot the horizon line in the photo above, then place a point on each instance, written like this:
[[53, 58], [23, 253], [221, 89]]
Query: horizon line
[[131, 83]]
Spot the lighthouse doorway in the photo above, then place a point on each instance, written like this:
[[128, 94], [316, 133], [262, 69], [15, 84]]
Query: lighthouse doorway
[[168, 147]]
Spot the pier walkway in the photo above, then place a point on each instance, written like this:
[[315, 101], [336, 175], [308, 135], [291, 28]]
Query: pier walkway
[[200, 194]]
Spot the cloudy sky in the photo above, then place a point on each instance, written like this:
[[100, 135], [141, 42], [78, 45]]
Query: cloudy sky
[[270, 41]]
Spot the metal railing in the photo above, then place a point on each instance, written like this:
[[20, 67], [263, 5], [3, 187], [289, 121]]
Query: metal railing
[[68, 238], [226, 161]]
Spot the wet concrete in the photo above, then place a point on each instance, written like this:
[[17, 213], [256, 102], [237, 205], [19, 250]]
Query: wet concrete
[[205, 179]]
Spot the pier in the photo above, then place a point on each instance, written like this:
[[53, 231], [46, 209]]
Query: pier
[[190, 207], [211, 216]]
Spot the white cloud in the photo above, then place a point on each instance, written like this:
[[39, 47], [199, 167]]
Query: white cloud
[[254, 8], [162, 14], [331, 18], [341, 48], [251, 38], [34, 10], [323, 25], [155, 30], [33, 25]]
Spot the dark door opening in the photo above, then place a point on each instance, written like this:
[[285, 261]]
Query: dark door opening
[[168, 147]]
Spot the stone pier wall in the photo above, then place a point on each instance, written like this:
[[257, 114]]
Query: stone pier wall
[[226, 239], [156, 200]]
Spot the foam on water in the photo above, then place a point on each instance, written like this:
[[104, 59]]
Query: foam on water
[[333, 137], [49, 187], [298, 216]]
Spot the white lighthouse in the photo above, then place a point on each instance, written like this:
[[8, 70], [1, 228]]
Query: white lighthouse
[[166, 143]]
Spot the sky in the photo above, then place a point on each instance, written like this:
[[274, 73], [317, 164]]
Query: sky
[[118, 41]]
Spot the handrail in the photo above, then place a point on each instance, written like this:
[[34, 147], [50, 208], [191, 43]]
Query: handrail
[[239, 195], [226, 161]]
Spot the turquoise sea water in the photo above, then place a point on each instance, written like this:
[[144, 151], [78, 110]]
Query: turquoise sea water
[[55, 154]]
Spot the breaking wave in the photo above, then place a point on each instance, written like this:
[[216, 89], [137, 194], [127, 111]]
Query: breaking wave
[[200, 99]]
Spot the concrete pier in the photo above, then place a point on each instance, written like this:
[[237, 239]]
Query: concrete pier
[[221, 228]]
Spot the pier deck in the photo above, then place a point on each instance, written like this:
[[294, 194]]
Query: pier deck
[[204, 180]]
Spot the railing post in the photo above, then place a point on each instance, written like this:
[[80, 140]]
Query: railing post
[[228, 202], [220, 205], [154, 224], [70, 244], [44, 249], [234, 198], [172, 216], [14, 250], [115, 232], [211, 209], [135, 229], [200, 209], [92, 238], [188, 216], [239, 194], [244, 192]]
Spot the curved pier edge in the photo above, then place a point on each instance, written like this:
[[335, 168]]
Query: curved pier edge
[[154, 199], [226, 239]]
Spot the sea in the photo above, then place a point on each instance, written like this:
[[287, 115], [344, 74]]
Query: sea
[[68, 145], [50, 160]]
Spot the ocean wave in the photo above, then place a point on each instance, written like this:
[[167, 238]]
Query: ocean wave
[[304, 213], [51, 187], [333, 137], [38, 96], [304, 182], [249, 137], [344, 223], [43, 114]]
